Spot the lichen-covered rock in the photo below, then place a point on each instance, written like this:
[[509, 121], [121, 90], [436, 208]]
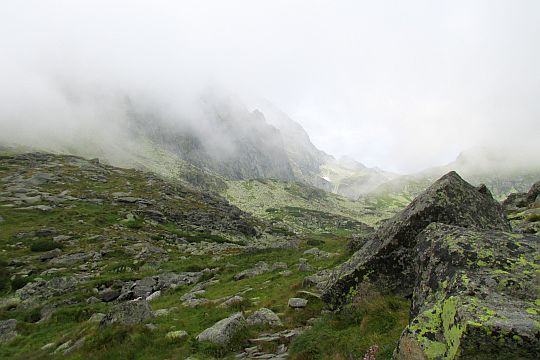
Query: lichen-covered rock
[[386, 259], [476, 296], [222, 332], [264, 317], [129, 313]]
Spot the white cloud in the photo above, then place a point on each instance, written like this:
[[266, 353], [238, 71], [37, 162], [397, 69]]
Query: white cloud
[[400, 85]]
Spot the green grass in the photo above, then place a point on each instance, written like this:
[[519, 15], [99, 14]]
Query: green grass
[[349, 333]]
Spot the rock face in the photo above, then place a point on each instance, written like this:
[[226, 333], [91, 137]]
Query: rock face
[[476, 296], [386, 259], [222, 332], [128, 313]]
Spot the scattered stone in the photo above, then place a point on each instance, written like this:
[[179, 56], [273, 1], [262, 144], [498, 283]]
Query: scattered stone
[[312, 251], [151, 327], [47, 346], [63, 347], [222, 332], [8, 330], [40, 289], [279, 266], [260, 268], [237, 299], [109, 295], [76, 346], [61, 238], [164, 312], [154, 295], [96, 317], [297, 303], [128, 313], [304, 265], [264, 317], [50, 254], [93, 300], [176, 335]]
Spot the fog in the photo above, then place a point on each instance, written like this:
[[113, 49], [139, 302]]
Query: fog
[[398, 85]]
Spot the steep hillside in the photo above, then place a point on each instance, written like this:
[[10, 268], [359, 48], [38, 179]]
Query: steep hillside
[[270, 198], [99, 262]]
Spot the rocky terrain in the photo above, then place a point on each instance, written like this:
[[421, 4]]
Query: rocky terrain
[[473, 282], [100, 262]]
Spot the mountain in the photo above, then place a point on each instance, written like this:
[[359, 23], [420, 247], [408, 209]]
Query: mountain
[[501, 170]]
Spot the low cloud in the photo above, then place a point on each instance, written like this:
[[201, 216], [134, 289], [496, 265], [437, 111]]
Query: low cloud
[[402, 86]]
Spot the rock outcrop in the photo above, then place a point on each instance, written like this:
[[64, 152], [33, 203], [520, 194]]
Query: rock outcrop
[[129, 313], [476, 296], [386, 259]]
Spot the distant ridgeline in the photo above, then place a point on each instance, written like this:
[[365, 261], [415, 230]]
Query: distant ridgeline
[[224, 140]]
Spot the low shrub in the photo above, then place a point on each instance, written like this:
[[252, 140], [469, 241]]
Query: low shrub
[[45, 245]]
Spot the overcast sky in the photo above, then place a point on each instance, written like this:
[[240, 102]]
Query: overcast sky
[[402, 85]]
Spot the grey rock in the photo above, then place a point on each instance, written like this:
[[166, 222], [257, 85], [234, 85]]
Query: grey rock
[[76, 346], [109, 295], [475, 296], [237, 299], [96, 318], [297, 303], [304, 266], [260, 268], [153, 295], [128, 313], [264, 317], [386, 259], [41, 289], [8, 330], [50, 255], [176, 335], [222, 332], [279, 266]]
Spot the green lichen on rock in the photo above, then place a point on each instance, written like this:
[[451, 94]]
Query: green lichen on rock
[[483, 312], [390, 251]]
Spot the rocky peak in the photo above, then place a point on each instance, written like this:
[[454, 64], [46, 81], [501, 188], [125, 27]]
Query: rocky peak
[[386, 258]]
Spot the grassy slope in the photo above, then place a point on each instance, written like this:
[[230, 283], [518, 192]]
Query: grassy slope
[[91, 225], [258, 196]]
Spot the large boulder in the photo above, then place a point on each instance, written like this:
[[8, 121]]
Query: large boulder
[[516, 201], [476, 296], [386, 258], [129, 313], [264, 317], [222, 332]]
